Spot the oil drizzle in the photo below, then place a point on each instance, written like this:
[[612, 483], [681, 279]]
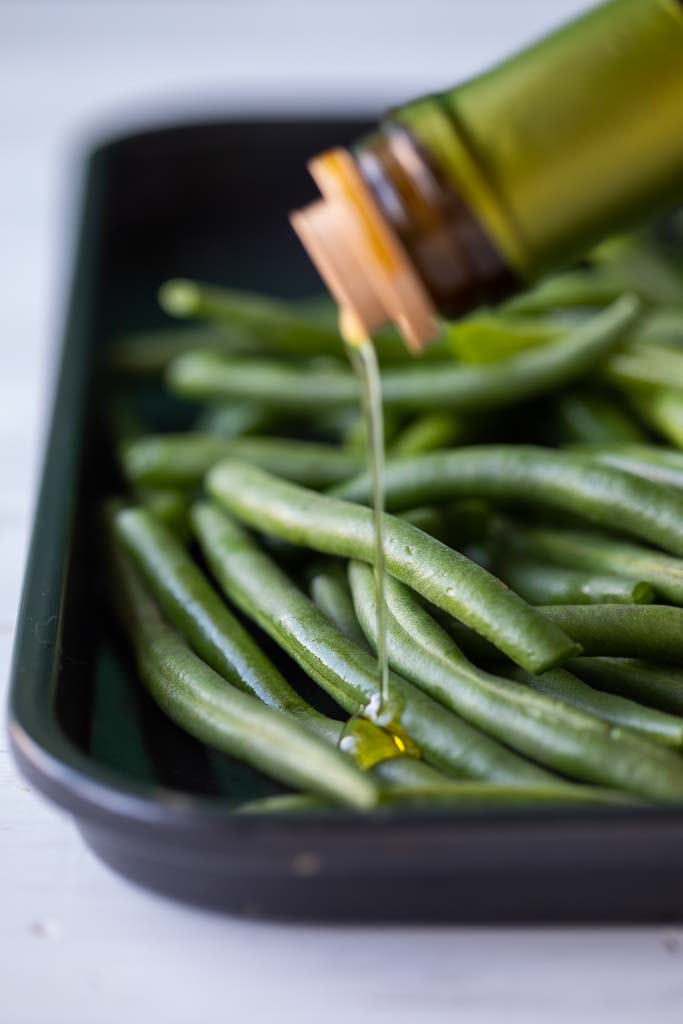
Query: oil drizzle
[[364, 361]]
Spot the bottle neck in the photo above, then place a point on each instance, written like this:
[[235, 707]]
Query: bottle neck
[[359, 254], [394, 242], [456, 260]]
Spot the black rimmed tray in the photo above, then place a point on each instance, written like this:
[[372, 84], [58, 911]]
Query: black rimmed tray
[[210, 201]]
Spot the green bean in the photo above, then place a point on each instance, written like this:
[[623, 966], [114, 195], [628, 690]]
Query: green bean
[[489, 338], [408, 771], [596, 552], [656, 725], [182, 460], [645, 364], [663, 465], [543, 584], [276, 321], [466, 795], [595, 419], [576, 288], [445, 577], [273, 326], [201, 702], [660, 686], [330, 593], [662, 409], [400, 777], [572, 483], [237, 419], [148, 353], [571, 742], [634, 267], [346, 671], [623, 630], [427, 433], [639, 264], [285, 804], [199, 613], [662, 326], [439, 386]]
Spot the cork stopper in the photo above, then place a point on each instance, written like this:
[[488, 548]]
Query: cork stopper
[[358, 255]]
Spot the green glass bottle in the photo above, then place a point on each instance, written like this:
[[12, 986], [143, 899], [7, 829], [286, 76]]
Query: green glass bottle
[[462, 197]]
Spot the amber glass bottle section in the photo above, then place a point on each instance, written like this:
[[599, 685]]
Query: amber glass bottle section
[[446, 243]]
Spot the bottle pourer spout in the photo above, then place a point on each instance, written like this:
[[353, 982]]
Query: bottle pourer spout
[[359, 257]]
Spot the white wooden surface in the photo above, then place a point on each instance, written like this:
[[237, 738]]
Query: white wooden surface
[[78, 945]]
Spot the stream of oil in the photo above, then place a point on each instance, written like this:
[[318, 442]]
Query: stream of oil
[[364, 361]]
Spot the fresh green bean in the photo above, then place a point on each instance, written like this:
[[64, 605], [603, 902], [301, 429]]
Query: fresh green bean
[[623, 630], [285, 804], [236, 419], [656, 725], [274, 326], [624, 266], [466, 795], [347, 672], [487, 338], [662, 409], [571, 742], [576, 288], [445, 577], [266, 319], [182, 460], [428, 433], [568, 482], [409, 779], [395, 779], [439, 386], [199, 613], [595, 552], [660, 686], [330, 593], [408, 771], [201, 702], [645, 364], [595, 419], [664, 326], [544, 584], [148, 353], [638, 263], [663, 465]]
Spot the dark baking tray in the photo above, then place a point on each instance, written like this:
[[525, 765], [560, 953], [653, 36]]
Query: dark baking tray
[[210, 201]]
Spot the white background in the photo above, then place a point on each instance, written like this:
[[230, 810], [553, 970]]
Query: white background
[[78, 945]]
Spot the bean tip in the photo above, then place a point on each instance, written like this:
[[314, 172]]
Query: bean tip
[[179, 297]]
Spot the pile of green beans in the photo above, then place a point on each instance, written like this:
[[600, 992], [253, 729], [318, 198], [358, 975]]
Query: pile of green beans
[[450, 386], [533, 544]]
